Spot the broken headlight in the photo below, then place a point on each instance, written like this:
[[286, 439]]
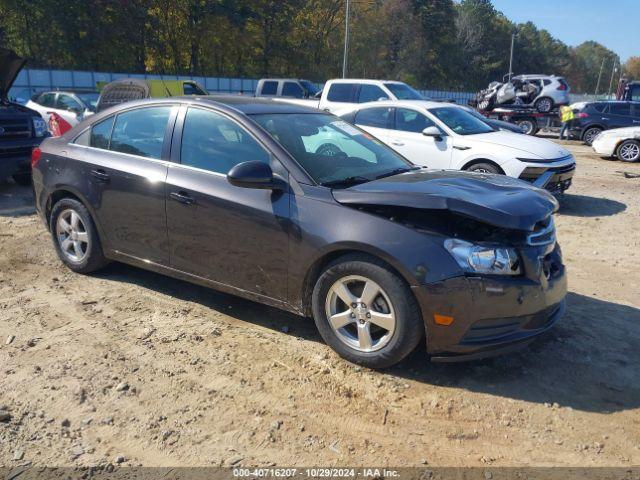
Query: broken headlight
[[490, 260]]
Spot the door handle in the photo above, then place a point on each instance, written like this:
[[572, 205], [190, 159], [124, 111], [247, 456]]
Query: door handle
[[397, 142], [100, 174], [182, 197], [605, 118]]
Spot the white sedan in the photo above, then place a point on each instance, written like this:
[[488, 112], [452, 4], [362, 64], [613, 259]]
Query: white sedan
[[623, 143], [445, 136]]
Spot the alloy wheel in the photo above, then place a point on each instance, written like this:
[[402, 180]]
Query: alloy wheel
[[629, 152], [590, 135], [72, 235], [360, 313], [544, 105]]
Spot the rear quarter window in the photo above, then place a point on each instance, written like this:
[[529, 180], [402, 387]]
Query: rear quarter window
[[341, 92], [140, 132], [269, 88]]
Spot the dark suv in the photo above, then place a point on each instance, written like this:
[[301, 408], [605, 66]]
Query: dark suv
[[21, 129], [293, 207], [595, 117]]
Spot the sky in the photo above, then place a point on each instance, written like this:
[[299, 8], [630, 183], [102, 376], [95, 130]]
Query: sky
[[613, 23]]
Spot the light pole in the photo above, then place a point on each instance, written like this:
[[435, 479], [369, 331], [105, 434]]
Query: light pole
[[599, 76], [346, 42], [513, 37], [613, 72]]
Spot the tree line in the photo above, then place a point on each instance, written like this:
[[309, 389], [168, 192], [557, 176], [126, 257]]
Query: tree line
[[438, 44]]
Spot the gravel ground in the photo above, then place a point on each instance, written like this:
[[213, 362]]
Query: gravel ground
[[131, 367]]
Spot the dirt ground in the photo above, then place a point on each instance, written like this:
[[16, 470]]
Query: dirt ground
[[158, 372]]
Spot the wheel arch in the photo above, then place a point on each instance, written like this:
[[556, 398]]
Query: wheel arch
[[475, 161], [328, 257], [592, 125], [70, 192]]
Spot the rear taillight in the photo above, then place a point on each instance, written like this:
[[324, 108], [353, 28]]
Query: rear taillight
[[36, 154], [582, 115], [57, 125], [562, 86]]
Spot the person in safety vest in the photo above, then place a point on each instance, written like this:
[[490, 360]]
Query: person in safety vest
[[566, 116]]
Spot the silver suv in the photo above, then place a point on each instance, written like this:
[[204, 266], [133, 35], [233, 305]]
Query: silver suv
[[554, 91]]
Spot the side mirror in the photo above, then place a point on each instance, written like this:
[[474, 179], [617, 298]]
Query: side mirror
[[254, 174], [432, 132]]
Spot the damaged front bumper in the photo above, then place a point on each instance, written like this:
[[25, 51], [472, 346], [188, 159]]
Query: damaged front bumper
[[491, 315]]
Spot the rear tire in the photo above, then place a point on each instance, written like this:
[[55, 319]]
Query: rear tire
[[528, 125], [23, 179], [484, 168], [543, 105], [590, 134], [375, 330], [75, 237], [628, 151]]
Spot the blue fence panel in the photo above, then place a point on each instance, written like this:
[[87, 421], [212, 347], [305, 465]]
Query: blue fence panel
[[31, 81]]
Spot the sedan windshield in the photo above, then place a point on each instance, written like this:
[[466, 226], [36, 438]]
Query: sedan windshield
[[460, 121], [333, 152], [402, 91]]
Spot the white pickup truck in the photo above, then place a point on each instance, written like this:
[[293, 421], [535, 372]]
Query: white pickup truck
[[337, 94]]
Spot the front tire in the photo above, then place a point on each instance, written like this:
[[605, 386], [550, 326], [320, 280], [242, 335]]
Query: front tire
[[75, 237], [629, 151], [366, 312], [484, 168]]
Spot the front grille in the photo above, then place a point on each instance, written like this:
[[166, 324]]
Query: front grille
[[12, 128], [15, 152], [563, 169], [494, 329], [544, 233]]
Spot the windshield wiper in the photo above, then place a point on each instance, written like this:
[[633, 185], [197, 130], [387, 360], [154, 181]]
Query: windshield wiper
[[398, 171], [347, 182]]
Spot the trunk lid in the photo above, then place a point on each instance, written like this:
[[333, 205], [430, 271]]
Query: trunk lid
[[494, 199]]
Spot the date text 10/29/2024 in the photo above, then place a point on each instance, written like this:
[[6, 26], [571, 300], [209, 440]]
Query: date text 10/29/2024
[[315, 472]]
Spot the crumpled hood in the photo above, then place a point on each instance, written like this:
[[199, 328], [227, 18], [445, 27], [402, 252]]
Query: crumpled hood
[[494, 199], [532, 147], [10, 66]]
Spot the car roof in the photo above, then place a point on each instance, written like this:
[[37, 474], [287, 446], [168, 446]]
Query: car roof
[[403, 104], [363, 80], [245, 104]]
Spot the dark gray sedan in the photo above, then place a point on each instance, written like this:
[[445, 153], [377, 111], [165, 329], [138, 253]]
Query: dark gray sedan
[[298, 209]]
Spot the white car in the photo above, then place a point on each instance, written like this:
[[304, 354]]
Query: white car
[[445, 136], [623, 143], [71, 106]]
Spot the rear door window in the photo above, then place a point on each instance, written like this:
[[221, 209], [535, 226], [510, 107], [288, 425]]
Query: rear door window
[[292, 89], [141, 131], [373, 117], [341, 92], [371, 93], [620, 109], [269, 88]]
